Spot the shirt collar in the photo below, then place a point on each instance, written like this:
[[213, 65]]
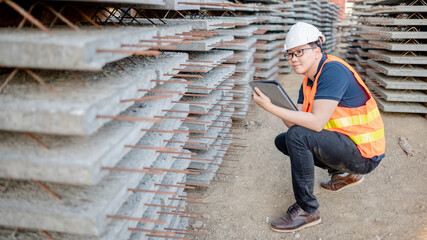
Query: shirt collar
[[320, 65]]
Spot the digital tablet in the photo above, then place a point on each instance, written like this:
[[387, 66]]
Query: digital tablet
[[275, 92]]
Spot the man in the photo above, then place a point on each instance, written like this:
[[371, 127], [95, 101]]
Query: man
[[338, 126]]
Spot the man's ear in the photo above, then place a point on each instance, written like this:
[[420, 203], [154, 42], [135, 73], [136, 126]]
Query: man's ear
[[317, 53]]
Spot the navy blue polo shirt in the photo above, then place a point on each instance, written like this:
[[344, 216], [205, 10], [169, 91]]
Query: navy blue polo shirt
[[337, 82]]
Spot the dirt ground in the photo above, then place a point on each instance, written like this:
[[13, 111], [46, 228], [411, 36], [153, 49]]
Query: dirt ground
[[390, 204]]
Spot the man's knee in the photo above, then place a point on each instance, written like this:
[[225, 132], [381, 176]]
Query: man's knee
[[296, 132], [280, 142]]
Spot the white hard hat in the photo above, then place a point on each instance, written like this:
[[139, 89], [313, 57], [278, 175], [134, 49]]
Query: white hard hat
[[302, 33]]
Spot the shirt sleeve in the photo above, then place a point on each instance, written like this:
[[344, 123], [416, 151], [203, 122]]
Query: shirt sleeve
[[333, 82], [300, 96]]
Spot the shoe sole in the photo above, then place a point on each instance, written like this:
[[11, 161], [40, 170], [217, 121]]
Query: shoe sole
[[346, 186], [297, 229]]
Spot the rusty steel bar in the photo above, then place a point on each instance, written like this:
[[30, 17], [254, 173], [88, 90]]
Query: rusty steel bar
[[27, 15], [194, 184], [168, 185], [131, 119], [120, 66], [195, 159], [36, 140], [8, 79], [189, 112], [202, 137], [137, 219], [85, 16], [146, 98], [47, 190], [172, 152], [78, 78], [198, 132], [60, 16], [171, 117], [171, 170], [196, 147], [165, 131], [151, 148], [182, 230], [179, 214], [150, 231], [152, 191], [190, 70], [46, 234], [163, 206], [195, 95], [158, 47], [202, 88], [171, 141], [40, 80], [183, 75], [196, 121], [132, 52], [5, 185], [172, 81]]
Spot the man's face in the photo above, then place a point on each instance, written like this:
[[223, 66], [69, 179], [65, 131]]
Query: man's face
[[304, 62]]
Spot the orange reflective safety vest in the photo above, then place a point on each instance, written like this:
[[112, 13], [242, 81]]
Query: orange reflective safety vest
[[363, 124]]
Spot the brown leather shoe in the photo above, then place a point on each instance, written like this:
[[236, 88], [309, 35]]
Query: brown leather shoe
[[295, 219], [338, 183]]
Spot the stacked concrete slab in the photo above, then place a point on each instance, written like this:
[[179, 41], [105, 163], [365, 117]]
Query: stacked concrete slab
[[102, 130], [329, 24], [391, 53], [113, 138], [270, 38]]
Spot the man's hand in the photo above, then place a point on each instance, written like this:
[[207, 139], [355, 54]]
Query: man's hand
[[261, 99]]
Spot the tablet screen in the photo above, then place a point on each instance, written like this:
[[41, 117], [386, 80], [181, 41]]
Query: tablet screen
[[275, 92]]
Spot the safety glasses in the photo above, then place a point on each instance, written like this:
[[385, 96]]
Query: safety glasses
[[297, 53]]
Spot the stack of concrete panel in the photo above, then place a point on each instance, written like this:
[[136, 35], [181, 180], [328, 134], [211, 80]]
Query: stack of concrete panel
[[217, 100], [328, 24], [100, 170], [108, 133], [288, 18], [393, 54], [357, 52], [103, 129], [243, 59], [345, 27], [267, 53]]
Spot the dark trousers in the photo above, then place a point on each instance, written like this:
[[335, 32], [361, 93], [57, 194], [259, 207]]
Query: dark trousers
[[329, 150]]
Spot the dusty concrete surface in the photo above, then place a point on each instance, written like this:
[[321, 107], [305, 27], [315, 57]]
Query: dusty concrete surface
[[389, 204]]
